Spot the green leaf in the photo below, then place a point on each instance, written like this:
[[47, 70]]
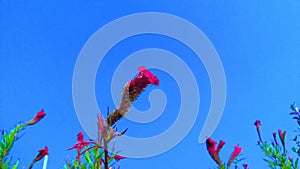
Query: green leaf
[[75, 163], [87, 157], [95, 151], [5, 166], [100, 155], [16, 165]]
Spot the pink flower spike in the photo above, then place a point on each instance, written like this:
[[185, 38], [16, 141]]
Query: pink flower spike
[[237, 150], [245, 166], [211, 145], [213, 152], [39, 116]]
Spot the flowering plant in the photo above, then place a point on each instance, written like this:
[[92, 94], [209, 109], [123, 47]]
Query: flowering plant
[[95, 153], [277, 154], [214, 153], [8, 139]]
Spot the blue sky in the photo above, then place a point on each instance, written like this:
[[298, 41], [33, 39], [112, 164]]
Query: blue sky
[[257, 42]]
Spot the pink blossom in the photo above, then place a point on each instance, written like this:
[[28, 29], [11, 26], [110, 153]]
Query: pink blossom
[[140, 82], [213, 152], [79, 145], [282, 137], [80, 142], [41, 114], [237, 150], [258, 125]]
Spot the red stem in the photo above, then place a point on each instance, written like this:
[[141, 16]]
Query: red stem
[[106, 154]]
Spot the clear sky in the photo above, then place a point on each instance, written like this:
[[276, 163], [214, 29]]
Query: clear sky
[[257, 42]]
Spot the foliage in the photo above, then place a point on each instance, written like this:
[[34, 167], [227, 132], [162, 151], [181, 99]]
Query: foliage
[[8, 139], [277, 155]]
